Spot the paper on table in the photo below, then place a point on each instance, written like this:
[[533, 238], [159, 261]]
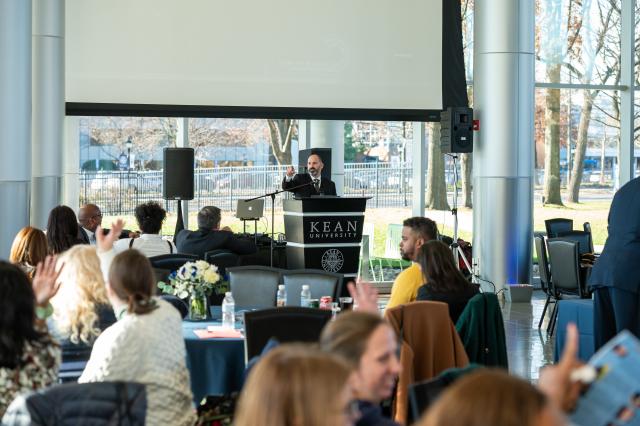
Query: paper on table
[[213, 332]]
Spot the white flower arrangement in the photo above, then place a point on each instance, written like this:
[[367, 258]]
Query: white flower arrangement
[[198, 278]]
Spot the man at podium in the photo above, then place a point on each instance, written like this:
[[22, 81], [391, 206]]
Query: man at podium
[[310, 183]]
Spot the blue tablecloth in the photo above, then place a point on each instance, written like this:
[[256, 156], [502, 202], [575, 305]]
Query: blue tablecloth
[[580, 312], [216, 366]]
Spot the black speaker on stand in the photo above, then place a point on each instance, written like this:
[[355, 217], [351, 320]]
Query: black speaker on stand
[[456, 130], [177, 179]]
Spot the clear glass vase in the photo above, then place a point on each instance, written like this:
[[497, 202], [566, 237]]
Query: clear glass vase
[[198, 307]]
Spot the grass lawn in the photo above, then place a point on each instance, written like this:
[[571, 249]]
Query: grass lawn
[[594, 212]]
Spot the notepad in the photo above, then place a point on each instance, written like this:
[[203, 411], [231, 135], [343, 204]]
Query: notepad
[[215, 332]]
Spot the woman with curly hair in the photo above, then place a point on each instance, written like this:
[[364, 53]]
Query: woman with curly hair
[[28, 249], [150, 216], [62, 229], [81, 307]]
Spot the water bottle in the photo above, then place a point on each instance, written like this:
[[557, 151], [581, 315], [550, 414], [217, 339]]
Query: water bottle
[[305, 296], [281, 297], [228, 311]]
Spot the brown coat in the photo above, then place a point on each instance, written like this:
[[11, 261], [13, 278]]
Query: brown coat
[[430, 345]]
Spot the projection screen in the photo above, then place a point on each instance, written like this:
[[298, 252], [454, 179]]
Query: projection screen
[[294, 54]]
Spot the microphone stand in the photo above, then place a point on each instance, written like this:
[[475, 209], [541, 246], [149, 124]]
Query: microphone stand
[[273, 202]]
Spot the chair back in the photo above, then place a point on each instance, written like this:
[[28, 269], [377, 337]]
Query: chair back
[[392, 242], [177, 303], [564, 263], [171, 262], [254, 286], [321, 283], [287, 324], [543, 264], [118, 403], [557, 225], [587, 228], [223, 259], [581, 237]]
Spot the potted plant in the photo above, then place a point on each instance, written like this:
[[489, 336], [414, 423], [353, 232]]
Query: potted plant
[[194, 282]]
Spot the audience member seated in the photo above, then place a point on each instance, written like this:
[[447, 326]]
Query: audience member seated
[[492, 397], [210, 237], [369, 345], [295, 385], [444, 282], [29, 357], [146, 344], [89, 218], [150, 217], [415, 232], [62, 229], [81, 308], [28, 249]]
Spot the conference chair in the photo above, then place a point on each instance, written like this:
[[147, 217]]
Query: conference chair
[[545, 276], [254, 286], [557, 225], [171, 262], [321, 283], [121, 403], [583, 238], [587, 228], [286, 324], [223, 259], [564, 262]]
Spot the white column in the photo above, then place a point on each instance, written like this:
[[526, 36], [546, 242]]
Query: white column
[[330, 134], [48, 108], [626, 148], [182, 141], [418, 165], [71, 163], [15, 119], [503, 157]]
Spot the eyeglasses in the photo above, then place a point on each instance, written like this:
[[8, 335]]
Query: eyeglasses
[[96, 215]]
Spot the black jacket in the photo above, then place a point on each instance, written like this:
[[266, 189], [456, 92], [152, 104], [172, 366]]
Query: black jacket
[[203, 240], [100, 403], [327, 187], [457, 301]]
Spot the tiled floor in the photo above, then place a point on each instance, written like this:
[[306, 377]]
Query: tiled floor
[[528, 348]]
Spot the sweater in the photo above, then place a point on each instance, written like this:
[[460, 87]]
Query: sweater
[[147, 349], [406, 285]]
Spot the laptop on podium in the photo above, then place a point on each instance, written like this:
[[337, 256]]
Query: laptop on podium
[[250, 210]]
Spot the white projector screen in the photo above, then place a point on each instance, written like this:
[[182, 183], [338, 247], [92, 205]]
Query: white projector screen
[[352, 54]]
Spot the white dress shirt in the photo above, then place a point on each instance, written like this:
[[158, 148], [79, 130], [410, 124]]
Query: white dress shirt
[[91, 235], [148, 244]]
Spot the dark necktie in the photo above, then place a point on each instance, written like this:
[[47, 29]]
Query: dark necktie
[[316, 184]]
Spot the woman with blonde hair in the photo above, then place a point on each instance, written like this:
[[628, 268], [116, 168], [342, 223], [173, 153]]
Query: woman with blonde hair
[[28, 249], [296, 385], [81, 307], [492, 397]]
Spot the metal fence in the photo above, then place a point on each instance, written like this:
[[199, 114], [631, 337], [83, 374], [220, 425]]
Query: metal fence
[[119, 192]]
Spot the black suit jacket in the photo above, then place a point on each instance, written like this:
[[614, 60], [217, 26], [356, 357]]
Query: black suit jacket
[[203, 240], [619, 264], [84, 237], [327, 187]]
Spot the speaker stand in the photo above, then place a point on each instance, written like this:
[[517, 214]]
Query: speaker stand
[[179, 221]]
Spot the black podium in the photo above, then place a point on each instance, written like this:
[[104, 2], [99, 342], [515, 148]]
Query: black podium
[[324, 233]]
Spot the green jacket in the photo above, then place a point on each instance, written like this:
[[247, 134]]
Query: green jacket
[[481, 330]]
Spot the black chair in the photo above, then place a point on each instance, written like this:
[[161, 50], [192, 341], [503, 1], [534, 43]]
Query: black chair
[[171, 262], [545, 276], [287, 324], [321, 283], [177, 303], [121, 403], [254, 286], [557, 225], [587, 228], [585, 244], [223, 259], [564, 262]]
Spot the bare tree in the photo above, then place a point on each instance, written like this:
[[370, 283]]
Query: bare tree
[[281, 133], [436, 184]]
